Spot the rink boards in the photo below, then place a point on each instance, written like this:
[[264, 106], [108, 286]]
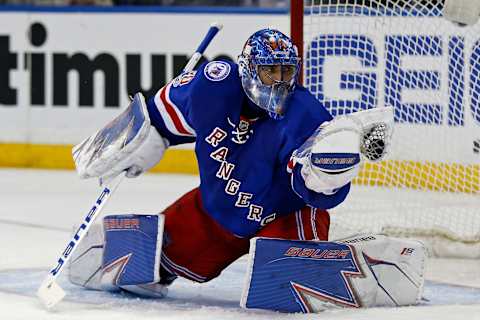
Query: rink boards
[[65, 75]]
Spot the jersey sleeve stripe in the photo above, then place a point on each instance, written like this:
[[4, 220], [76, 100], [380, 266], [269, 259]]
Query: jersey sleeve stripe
[[171, 115], [179, 121]]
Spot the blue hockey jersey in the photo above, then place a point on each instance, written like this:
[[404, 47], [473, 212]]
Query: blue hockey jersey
[[242, 153]]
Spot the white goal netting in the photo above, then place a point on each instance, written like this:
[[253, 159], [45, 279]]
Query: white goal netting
[[361, 54]]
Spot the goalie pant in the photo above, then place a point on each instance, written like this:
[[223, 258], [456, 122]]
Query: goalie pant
[[196, 247]]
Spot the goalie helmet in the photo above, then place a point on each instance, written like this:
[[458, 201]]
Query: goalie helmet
[[262, 52]]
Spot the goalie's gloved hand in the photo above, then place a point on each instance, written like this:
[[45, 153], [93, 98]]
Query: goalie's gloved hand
[[129, 143], [333, 157]]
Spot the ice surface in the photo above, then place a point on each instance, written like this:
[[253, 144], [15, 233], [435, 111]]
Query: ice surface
[[39, 208]]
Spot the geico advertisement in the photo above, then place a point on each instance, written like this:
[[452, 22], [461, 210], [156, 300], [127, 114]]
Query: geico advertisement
[[64, 75], [427, 68]]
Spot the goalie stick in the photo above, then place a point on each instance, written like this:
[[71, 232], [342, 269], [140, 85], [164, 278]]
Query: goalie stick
[[49, 292]]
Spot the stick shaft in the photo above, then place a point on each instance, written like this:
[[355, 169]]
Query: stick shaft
[[87, 222], [211, 33], [49, 292]]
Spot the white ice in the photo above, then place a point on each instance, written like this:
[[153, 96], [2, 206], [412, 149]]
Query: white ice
[[38, 210]]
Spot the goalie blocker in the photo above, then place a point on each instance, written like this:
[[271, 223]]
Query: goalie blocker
[[365, 271]]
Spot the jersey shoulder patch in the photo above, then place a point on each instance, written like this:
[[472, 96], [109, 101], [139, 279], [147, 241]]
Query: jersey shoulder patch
[[183, 79], [216, 70]]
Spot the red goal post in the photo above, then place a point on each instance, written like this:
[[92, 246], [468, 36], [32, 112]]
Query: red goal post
[[296, 28], [361, 54]]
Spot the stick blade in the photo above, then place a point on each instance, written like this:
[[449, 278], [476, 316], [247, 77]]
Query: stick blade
[[50, 293]]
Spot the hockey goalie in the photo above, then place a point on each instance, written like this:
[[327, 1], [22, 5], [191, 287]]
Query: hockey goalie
[[272, 161]]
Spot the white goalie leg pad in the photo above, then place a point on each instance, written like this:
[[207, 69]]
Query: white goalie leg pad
[[85, 265], [393, 270], [124, 253]]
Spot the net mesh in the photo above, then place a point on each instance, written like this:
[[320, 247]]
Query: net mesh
[[365, 54]]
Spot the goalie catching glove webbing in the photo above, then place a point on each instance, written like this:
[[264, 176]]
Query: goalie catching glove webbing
[[128, 143], [331, 157]]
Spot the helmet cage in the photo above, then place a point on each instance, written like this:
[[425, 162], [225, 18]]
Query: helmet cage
[[272, 98]]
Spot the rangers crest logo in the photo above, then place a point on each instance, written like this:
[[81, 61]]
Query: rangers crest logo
[[216, 70]]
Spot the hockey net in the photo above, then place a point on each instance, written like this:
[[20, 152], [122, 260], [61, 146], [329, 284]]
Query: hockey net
[[361, 54]]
